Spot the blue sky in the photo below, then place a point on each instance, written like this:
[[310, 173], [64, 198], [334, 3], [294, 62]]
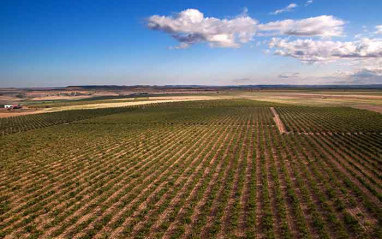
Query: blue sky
[[59, 43]]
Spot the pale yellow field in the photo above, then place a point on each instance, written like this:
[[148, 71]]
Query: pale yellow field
[[117, 103], [361, 100], [132, 103]]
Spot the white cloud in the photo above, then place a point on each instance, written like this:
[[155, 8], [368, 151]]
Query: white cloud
[[287, 75], [182, 45], [371, 67], [190, 27], [379, 29], [365, 71], [324, 26], [309, 50], [308, 2], [266, 51], [288, 8], [365, 76]]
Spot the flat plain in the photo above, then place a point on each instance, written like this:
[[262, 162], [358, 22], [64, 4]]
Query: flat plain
[[209, 168]]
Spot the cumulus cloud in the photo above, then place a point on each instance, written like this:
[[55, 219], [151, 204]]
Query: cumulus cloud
[[378, 29], [323, 26], [369, 68], [190, 26], [309, 50], [365, 76], [365, 71], [288, 8], [358, 71]]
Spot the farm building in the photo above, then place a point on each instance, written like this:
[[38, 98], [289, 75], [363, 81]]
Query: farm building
[[10, 107]]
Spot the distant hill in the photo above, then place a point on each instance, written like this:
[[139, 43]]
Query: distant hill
[[212, 87]]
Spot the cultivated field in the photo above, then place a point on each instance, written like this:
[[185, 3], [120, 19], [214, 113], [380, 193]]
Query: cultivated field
[[196, 169]]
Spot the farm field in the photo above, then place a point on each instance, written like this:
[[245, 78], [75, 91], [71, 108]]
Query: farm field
[[96, 103], [360, 99], [227, 168], [367, 99]]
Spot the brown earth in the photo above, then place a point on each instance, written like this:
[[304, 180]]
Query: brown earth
[[278, 121], [7, 113]]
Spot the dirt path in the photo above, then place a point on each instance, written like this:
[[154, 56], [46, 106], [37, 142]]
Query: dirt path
[[278, 121]]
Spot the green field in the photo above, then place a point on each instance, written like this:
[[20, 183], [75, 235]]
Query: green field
[[203, 169]]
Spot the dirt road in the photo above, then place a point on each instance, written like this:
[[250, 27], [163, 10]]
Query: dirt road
[[278, 121]]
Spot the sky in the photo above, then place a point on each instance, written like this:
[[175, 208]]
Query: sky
[[200, 42]]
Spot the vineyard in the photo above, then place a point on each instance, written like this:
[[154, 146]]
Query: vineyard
[[24, 123], [205, 169]]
